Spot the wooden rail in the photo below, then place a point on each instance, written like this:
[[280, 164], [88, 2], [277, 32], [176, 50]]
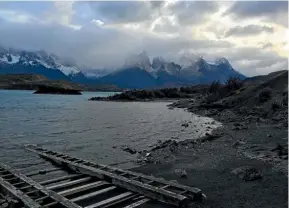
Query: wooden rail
[[138, 185], [76, 183], [26, 192]]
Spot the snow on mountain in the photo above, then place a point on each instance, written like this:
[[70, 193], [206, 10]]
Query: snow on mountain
[[137, 72], [187, 59], [96, 73], [49, 61], [159, 64]]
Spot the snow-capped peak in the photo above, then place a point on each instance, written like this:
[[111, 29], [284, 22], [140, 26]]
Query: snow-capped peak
[[221, 61], [50, 61], [97, 73]]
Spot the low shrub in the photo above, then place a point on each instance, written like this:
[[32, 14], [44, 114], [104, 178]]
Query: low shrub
[[265, 95], [233, 83], [214, 87], [275, 106]]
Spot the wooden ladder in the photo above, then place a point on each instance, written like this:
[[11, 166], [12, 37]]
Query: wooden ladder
[[142, 187]]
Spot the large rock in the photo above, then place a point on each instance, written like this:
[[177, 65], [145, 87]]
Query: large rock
[[247, 173]]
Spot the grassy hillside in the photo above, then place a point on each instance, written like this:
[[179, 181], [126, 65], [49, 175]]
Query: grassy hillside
[[34, 81]]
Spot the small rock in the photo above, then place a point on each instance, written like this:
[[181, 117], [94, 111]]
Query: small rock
[[148, 154], [174, 137], [129, 150], [269, 135], [236, 128], [237, 124], [281, 150], [185, 125], [238, 143], [114, 147], [209, 137], [247, 173], [181, 173], [284, 157]]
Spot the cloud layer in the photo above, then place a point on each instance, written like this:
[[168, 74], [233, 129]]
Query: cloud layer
[[252, 35]]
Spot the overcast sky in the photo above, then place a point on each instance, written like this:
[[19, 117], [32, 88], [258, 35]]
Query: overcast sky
[[252, 35]]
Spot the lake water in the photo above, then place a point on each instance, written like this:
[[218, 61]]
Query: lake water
[[88, 129]]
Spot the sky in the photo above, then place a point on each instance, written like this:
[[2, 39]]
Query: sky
[[252, 35]]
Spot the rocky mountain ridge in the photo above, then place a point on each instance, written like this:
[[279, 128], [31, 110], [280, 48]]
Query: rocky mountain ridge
[[138, 71]]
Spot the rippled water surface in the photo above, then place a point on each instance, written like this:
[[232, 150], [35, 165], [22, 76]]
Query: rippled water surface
[[88, 129]]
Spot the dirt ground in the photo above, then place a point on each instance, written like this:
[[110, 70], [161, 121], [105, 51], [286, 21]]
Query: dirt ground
[[208, 164]]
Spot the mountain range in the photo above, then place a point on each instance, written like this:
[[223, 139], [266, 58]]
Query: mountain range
[[138, 71]]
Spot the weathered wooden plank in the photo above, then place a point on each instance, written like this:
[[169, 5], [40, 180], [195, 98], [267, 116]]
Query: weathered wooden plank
[[113, 200], [8, 189], [25, 187], [70, 183], [17, 184], [41, 198], [138, 203], [55, 180], [135, 186], [42, 172], [50, 204], [93, 194], [132, 185], [45, 191], [82, 188], [4, 176], [32, 192], [197, 192]]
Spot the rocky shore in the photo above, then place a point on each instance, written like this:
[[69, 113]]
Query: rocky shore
[[243, 163]]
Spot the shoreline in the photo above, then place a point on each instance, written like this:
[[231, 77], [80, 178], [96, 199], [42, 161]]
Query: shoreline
[[208, 162]]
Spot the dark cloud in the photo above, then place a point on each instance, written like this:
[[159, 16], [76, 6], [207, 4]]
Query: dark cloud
[[187, 12], [97, 46], [248, 30], [258, 8], [125, 11], [91, 45], [276, 11], [191, 12]]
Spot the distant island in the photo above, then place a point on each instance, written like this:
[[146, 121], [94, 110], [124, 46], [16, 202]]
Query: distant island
[[42, 85]]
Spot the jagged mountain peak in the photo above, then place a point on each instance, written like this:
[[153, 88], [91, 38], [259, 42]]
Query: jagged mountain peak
[[158, 62], [140, 60], [222, 61], [35, 58]]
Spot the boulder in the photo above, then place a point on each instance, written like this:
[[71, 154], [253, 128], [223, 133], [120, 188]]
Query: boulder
[[247, 173]]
